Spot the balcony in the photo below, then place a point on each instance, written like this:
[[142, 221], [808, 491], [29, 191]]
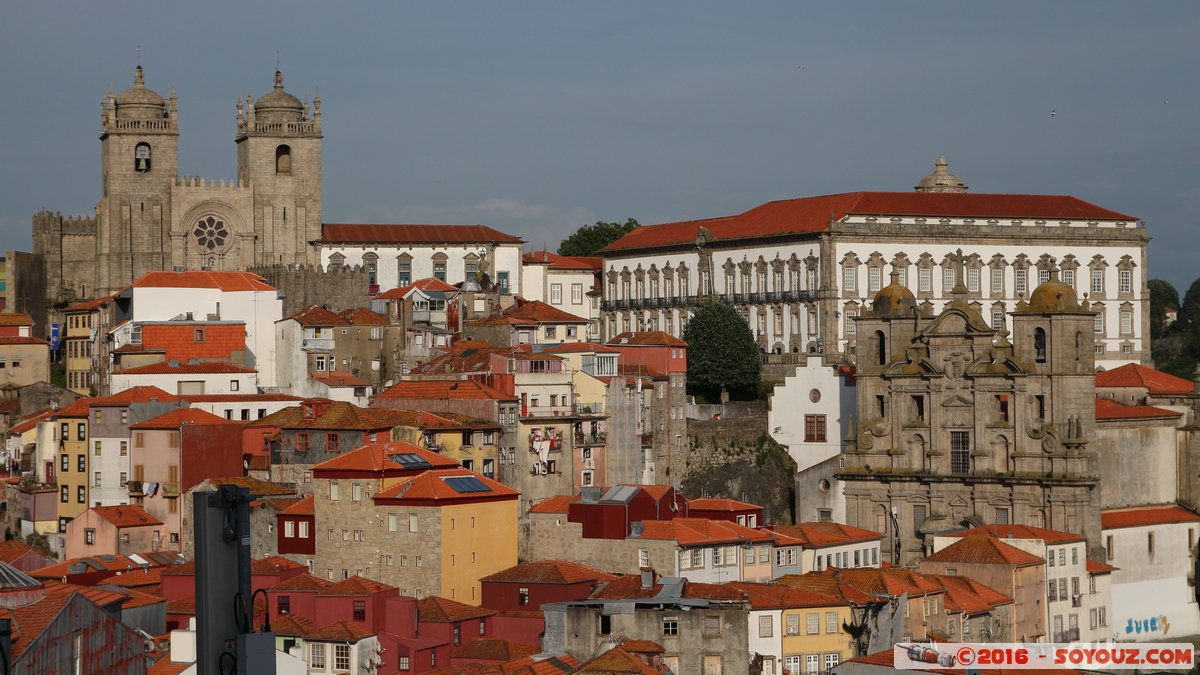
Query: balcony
[[317, 344], [135, 488], [596, 408], [685, 300], [1069, 635], [590, 439], [647, 439], [170, 490], [548, 411], [1077, 601]]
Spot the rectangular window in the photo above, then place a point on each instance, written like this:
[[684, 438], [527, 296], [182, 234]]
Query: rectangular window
[[1098, 322], [924, 280], [1020, 281], [335, 491], [577, 294], [81, 463], [712, 626], [765, 626], [316, 655], [302, 441], [973, 280], [1126, 322], [814, 428], [413, 522], [948, 279], [198, 335], [1126, 281], [997, 281], [1043, 276], [341, 657], [360, 610], [96, 448], [874, 279], [849, 276], [831, 622], [1068, 277], [793, 624], [556, 294], [439, 271], [813, 623], [670, 626], [851, 316], [1097, 281], [960, 451], [997, 321], [81, 495]]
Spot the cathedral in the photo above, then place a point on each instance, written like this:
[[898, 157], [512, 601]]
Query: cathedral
[[958, 426], [151, 218]]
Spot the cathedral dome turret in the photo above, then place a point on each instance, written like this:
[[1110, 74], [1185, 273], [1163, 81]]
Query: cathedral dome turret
[[278, 105], [941, 180], [894, 300], [1053, 296], [140, 102]]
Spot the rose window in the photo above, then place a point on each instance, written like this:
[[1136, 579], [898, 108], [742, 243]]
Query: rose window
[[211, 233]]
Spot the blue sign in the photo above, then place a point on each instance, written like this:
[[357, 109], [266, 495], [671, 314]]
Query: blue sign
[[54, 336]]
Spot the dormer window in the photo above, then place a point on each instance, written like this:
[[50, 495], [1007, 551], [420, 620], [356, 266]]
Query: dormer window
[[308, 411]]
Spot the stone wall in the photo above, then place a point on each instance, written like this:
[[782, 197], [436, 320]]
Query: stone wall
[[552, 537], [736, 459], [337, 289], [27, 288]]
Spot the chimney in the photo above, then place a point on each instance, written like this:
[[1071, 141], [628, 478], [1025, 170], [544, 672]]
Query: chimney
[[173, 363], [637, 528]]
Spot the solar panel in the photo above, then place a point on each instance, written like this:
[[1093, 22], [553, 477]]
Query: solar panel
[[466, 484], [410, 460]]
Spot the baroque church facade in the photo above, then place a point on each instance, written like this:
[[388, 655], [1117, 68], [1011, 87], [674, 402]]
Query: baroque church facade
[[150, 218], [959, 426]]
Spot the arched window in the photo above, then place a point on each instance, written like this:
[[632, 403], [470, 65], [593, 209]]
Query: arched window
[[371, 262], [141, 157], [283, 160], [1039, 345], [880, 348]]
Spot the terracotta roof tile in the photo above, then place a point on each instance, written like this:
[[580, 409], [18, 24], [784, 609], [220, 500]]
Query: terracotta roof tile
[[629, 587], [119, 563], [550, 572], [813, 214], [776, 596], [490, 649], [716, 504], [13, 550], [1020, 532], [203, 368], [378, 457], [1111, 410], [445, 389], [986, 550], [555, 504], [818, 535], [642, 647], [563, 262], [356, 586], [342, 233], [16, 340], [303, 507], [302, 582], [700, 531], [1137, 375], [89, 305], [333, 416], [181, 606], [339, 631], [436, 609], [433, 485], [273, 564], [534, 312], [616, 660], [426, 284], [1138, 516], [315, 315], [360, 316], [339, 378], [256, 486], [141, 394], [135, 578], [234, 398], [225, 281], [180, 417], [15, 319], [79, 408], [1094, 567], [292, 625], [653, 338], [582, 347], [126, 516], [29, 621]]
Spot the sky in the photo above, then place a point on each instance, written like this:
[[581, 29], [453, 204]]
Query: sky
[[536, 118]]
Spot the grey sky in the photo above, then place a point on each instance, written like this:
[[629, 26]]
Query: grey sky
[[536, 118]]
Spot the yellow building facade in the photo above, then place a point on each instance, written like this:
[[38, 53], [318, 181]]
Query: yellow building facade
[[478, 539], [813, 639]]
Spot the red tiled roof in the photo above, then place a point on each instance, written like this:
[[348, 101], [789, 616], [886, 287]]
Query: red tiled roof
[[256, 486], [140, 394], [426, 284], [642, 647], [420, 419], [292, 625], [29, 621], [583, 347], [378, 457], [181, 417], [126, 516], [202, 368], [304, 507], [490, 649], [1020, 532], [341, 233], [776, 596], [437, 609], [616, 660], [135, 578], [89, 305], [31, 422], [181, 606], [136, 598], [315, 315], [555, 504], [1138, 516], [15, 340], [716, 504], [444, 389], [629, 587], [339, 631], [226, 281], [178, 340], [643, 338], [119, 563], [1137, 375], [273, 564], [563, 262], [339, 378], [1094, 567], [13, 550], [15, 319], [824, 534], [335, 415], [984, 549], [698, 531], [302, 582], [887, 659], [79, 408], [432, 486], [356, 586], [550, 572], [967, 595], [813, 214], [827, 583], [1111, 410], [363, 317], [233, 398]]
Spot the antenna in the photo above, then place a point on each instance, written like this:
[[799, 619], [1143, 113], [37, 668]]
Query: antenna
[[276, 59], [139, 55]]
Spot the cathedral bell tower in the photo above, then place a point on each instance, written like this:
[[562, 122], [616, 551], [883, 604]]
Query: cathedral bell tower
[[279, 157], [139, 155]]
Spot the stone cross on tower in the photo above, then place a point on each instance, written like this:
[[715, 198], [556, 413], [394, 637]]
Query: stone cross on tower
[[957, 259]]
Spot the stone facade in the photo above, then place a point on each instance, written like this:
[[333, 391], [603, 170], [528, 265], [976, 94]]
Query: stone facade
[[151, 218], [959, 426]]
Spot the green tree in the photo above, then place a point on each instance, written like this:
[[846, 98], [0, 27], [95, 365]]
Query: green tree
[[1177, 349], [721, 352], [589, 239], [1162, 295]]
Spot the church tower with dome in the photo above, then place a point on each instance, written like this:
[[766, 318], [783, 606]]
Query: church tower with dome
[[956, 425], [152, 218]]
